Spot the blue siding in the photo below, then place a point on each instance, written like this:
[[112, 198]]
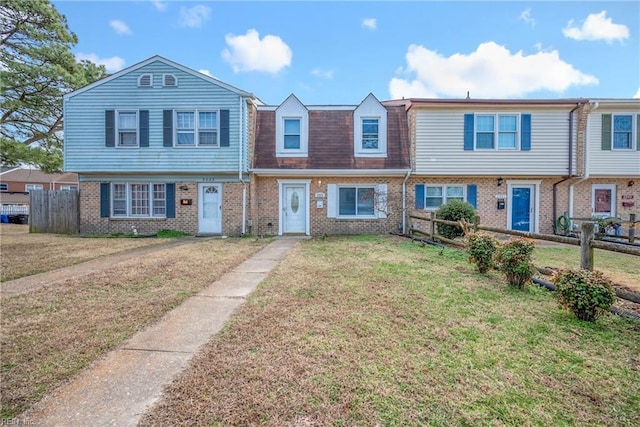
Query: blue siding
[[85, 149]]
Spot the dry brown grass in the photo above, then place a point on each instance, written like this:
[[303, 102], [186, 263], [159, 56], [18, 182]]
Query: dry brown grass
[[357, 331], [51, 334], [23, 254]]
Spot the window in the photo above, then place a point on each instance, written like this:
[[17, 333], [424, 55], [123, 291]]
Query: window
[[291, 134], [31, 187], [68, 187], [370, 134], [145, 80], [622, 132], [196, 128], [356, 201], [506, 133], [4, 187], [436, 195], [127, 129], [169, 80], [138, 200]]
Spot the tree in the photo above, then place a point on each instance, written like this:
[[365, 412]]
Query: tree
[[36, 69]]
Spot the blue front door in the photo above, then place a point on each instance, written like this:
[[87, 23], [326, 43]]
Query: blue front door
[[521, 208]]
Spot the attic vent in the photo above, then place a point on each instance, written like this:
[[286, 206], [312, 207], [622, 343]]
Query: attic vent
[[169, 80], [145, 80]]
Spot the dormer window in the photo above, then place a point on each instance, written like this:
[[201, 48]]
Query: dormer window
[[292, 128], [169, 80], [370, 128], [145, 80]]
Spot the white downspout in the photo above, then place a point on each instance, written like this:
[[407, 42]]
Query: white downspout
[[404, 202], [594, 105], [240, 163]]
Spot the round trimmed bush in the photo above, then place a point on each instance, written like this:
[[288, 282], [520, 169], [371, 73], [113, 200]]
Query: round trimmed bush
[[589, 294], [454, 210], [482, 248], [515, 259]]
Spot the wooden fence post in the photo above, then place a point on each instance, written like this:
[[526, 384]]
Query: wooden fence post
[[632, 228], [586, 251], [432, 224]]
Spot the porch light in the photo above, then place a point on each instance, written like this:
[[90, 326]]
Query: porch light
[[500, 180]]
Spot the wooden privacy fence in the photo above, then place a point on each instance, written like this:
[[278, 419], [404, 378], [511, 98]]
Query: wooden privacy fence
[[54, 212], [587, 240]]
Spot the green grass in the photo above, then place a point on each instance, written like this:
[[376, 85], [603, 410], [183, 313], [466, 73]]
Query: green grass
[[382, 331]]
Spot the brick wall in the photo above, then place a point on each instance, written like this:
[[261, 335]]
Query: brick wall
[[266, 209], [186, 216], [583, 193]]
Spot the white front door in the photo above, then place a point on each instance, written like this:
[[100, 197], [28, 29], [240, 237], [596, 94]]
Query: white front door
[[209, 208], [294, 209]]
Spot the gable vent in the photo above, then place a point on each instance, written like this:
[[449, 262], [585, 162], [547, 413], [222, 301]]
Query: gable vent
[[145, 80], [169, 80]]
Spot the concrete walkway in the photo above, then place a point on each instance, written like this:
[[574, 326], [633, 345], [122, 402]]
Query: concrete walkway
[[118, 389]]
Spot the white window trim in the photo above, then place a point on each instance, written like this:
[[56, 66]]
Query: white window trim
[[304, 136], [284, 134], [35, 187], [4, 187], [381, 151], [117, 123], [281, 195], [444, 193], [68, 187], [496, 131], [164, 80], [379, 207], [611, 187], [150, 80], [196, 142], [634, 131], [536, 202], [128, 200]]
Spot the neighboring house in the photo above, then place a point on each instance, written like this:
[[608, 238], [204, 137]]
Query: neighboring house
[[159, 146], [609, 185], [329, 169], [16, 183], [508, 158]]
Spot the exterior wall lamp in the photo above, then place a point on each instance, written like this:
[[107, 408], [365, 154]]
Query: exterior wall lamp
[[500, 180], [184, 187]]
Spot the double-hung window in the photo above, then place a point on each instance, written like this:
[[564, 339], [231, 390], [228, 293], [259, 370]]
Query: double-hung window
[[356, 201], [32, 187], [127, 129], [622, 132], [196, 128], [370, 135], [502, 128], [436, 195], [291, 133], [138, 200]]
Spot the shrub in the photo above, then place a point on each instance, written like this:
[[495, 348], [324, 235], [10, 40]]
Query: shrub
[[515, 261], [482, 248], [454, 210], [588, 294]]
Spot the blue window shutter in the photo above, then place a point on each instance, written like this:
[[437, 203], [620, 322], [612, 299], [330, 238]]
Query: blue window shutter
[[144, 128], [171, 200], [105, 200], [419, 196], [525, 132], [224, 128], [167, 128], [109, 128], [472, 195], [606, 132], [468, 131]]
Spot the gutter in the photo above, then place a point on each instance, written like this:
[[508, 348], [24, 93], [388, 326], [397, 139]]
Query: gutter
[[570, 172], [240, 163], [404, 202]]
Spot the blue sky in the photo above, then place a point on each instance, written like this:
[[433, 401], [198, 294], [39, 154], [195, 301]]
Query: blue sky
[[339, 52]]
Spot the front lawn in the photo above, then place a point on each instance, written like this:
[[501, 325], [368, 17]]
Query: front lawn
[[382, 331]]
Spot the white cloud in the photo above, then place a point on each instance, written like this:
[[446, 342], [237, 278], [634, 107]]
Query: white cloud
[[597, 27], [492, 71], [526, 17], [370, 23], [206, 73], [250, 53], [323, 74], [161, 6], [113, 64], [194, 17], [637, 95], [120, 27]]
